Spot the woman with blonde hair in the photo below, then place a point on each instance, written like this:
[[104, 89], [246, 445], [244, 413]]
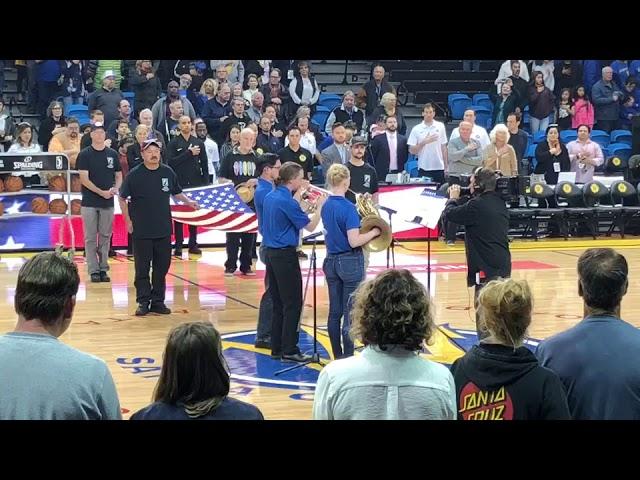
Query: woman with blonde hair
[[499, 155], [344, 264], [388, 107], [194, 381], [208, 90], [393, 317], [501, 379]]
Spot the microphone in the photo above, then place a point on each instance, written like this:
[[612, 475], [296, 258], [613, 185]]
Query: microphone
[[390, 211], [314, 235]]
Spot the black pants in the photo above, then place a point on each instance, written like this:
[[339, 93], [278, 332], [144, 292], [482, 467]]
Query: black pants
[[607, 125], [285, 282], [178, 233], [234, 240], [152, 253], [436, 175], [21, 82]]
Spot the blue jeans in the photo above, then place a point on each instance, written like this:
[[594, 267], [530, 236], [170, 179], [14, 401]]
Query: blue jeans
[[343, 273], [538, 125], [266, 307], [68, 101]]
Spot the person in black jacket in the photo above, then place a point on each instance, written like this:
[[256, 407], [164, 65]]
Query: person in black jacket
[[486, 223], [501, 379], [370, 94], [145, 85], [187, 156], [552, 156]]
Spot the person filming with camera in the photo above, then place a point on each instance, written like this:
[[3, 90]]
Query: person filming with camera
[[486, 220]]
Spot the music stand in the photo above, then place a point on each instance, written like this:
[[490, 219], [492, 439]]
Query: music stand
[[315, 356], [391, 251]]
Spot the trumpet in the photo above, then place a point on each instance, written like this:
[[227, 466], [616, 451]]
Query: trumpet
[[310, 197]]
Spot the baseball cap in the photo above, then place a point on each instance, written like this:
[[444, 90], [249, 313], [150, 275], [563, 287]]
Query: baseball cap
[[151, 141], [98, 125], [358, 141], [108, 73]]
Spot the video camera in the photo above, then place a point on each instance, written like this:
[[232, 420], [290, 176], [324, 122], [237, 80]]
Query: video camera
[[509, 188]]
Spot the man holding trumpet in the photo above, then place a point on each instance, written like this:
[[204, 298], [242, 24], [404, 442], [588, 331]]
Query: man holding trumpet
[[239, 167], [282, 219]]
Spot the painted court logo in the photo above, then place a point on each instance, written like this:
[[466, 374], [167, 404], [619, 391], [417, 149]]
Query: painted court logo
[[253, 367]]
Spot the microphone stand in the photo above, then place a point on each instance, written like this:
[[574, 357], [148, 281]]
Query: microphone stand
[[315, 356], [391, 251]]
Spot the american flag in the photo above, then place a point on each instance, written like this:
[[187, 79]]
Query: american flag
[[220, 209]]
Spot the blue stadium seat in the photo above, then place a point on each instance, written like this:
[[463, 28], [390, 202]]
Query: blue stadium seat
[[531, 151], [321, 116], [458, 103], [483, 116], [601, 137], [411, 166], [479, 96], [329, 100], [620, 150], [539, 137], [75, 110], [567, 136], [621, 136]]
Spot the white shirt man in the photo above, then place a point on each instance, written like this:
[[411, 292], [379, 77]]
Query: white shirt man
[[478, 133], [428, 140], [211, 147]]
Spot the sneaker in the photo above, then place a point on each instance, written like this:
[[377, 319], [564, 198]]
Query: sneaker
[[450, 243], [112, 253], [95, 277], [263, 344], [228, 272], [249, 273], [160, 308], [104, 277], [302, 254], [296, 357], [195, 251], [142, 310], [177, 253]]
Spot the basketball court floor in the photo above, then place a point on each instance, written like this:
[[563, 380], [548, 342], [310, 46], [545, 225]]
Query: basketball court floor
[[197, 290]]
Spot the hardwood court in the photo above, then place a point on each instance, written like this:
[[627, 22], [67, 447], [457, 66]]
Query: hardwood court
[[104, 324]]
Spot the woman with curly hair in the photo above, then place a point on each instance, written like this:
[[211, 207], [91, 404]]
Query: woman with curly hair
[[500, 379], [393, 317]]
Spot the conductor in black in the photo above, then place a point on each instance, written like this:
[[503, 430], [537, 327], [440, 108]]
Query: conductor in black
[[188, 158], [486, 221], [148, 217]]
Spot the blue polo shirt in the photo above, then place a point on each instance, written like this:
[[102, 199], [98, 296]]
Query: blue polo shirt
[[338, 216], [597, 361], [264, 187], [283, 219]]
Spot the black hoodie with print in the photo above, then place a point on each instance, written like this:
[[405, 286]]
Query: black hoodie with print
[[496, 382]]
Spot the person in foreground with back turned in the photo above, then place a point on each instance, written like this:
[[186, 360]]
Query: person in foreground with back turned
[[500, 379], [194, 381], [486, 222], [393, 317], [41, 377], [344, 264], [148, 219], [283, 219]]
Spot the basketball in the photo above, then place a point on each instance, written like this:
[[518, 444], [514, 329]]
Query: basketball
[[76, 186], [13, 184], [58, 206], [39, 205], [75, 206], [58, 184]]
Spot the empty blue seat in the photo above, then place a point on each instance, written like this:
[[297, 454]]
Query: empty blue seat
[[483, 116], [601, 137], [620, 150], [539, 137], [321, 116], [329, 100], [567, 136], [621, 136], [458, 106]]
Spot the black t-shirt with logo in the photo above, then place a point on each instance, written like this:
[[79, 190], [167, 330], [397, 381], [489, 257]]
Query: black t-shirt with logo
[[302, 157], [239, 167], [102, 166], [363, 180], [149, 192]]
